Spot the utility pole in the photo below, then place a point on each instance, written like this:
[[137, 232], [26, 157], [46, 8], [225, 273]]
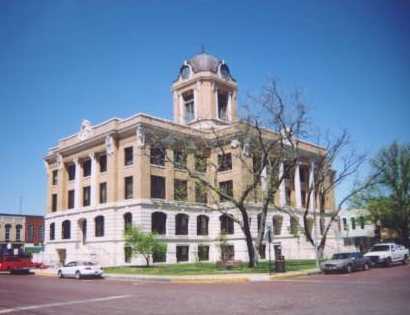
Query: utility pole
[[20, 204]]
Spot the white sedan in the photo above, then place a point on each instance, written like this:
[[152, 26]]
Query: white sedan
[[80, 269]]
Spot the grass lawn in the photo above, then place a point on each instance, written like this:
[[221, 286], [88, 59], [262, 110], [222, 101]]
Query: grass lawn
[[207, 268]]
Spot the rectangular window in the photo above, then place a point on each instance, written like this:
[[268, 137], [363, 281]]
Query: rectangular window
[[55, 177], [224, 162], [18, 232], [179, 159], [189, 106], [86, 196], [345, 227], [87, 167], [180, 190], [223, 106], [128, 156], [102, 160], [30, 236], [200, 163], [182, 253], [71, 195], [54, 202], [288, 194], [227, 252], [127, 254], [203, 253], [71, 171], [41, 233], [353, 223], [159, 256], [7, 232], [157, 187], [201, 193], [103, 192], [128, 187], [262, 251], [226, 188], [157, 156]]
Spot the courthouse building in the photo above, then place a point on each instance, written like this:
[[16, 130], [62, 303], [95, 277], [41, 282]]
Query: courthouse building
[[111, 175]]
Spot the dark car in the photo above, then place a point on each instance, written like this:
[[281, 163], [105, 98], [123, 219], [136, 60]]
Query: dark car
[[346, 262]]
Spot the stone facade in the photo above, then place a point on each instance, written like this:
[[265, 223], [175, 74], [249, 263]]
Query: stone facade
[[106, 171]]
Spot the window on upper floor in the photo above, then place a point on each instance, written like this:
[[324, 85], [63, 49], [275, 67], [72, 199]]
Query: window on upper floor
[[223, 105], [353, 220], [128, 187], [158, 187], [87, 167], [179, 159], [200, 163], [55, 177], [128, 156], [362, 222], [103, 192], [180, 190], [54, 202], [157, 156], [345, 226], [30, 234], [86, 196], [71, 195], [19, 227], [102, 160], [226, 188], [41, 233], [189, 106], [224, 162], [71, 171], [201, 194], [7, 230]]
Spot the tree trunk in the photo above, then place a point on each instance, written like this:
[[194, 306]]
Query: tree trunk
[[248, 237], [147, 260]]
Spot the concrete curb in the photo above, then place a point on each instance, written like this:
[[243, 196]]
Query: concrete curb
[[198, 279]]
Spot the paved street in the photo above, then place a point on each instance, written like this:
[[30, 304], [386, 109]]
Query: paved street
[[379, 291]]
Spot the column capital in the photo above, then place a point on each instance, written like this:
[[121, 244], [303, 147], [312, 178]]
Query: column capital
[[92, 155]]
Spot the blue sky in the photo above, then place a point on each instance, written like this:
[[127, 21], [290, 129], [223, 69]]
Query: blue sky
[[62, 61]]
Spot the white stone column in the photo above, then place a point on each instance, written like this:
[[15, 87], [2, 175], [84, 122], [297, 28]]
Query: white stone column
[[93, 180], [298, 192], [77, 184], [311, 186], [282, 191]]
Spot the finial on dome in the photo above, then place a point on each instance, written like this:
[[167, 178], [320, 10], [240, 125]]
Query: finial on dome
[[203, 49]]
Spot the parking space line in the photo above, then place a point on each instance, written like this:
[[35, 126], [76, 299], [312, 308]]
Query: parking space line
[[34, 307]]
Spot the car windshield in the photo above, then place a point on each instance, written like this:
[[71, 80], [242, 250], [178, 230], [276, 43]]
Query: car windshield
[[380, 248], [342, 256]]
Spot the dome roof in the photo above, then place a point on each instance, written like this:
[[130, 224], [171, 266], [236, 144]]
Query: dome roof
[[204, 62]]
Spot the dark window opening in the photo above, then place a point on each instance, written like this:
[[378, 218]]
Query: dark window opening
[[103, 192], [52, 232], [158, 223], [201, 194], [66, 230], [277, 224], [127, 254], [353, 220], [202, 225], [30, 236], [182, 253], [55, 177], [71, 195], [128, 156], [54, 202], [345, 226], [294, 225], [159, 256], [99, 226], [86, 196], [227, 224], [87, 167], [362, 222], [223, 106], [189, 106], [158, 187], [71, 171], [128, 189], [157, 156], [180, 190], [224, 162], [203, 253], [227, 189], [7, 229], [262, 251], [102, 160], [227, 252], [179, 159], [18, 232], [127, 221], [200, 163], [181, 224]]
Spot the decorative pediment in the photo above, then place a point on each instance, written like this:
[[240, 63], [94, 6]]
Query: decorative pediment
[[85, 130]]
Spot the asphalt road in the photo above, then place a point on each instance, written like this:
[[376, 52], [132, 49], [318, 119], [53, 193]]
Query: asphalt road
[[378, 291]]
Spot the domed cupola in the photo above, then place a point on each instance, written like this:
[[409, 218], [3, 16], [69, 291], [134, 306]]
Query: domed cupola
[[204, 62], [204, 92]]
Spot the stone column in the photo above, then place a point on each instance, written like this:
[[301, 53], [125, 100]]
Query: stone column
[[112, 183], [77, 184], [298, 192], [282, 190], [311, 186], [93, 180]]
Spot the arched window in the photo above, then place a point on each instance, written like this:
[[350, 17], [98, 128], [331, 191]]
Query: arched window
[[158, 223], [18, 232], [277, 224], [294, 225], [202, 225], [66, 230], [181, 224], [226, 224], [99, 226], [127, 221], [52, 232]]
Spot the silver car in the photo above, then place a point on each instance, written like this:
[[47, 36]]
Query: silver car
[[345, 262]]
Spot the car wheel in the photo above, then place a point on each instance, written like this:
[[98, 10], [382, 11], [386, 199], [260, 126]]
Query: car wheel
[[388, 262], [60, 274], [78, 275], [349, 268], [365, 267], [405, 260]]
